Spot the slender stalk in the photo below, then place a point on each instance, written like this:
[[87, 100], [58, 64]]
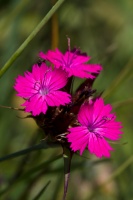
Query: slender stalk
[[30, 37], [42, 145], [67, 155], [9, 107], [42, 191]]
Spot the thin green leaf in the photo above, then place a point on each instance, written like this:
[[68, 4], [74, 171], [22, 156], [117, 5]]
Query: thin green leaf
[[40, 167], [42, 191], [30, 37], [42, 145], [27, 176]]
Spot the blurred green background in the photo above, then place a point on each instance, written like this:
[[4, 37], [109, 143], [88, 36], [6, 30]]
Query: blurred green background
[[103, 29]]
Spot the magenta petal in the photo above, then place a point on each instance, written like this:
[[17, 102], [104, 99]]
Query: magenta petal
[[38, 72], [41, 87], [42, 55], [58, 98], [36, 105], [55, 79], [78, 138], [96, 124], [85, 114], [73, 62], [98, 146]]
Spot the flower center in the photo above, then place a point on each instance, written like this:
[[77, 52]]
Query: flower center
[[70, 58], [41, 88], [93, 126], [93, 130], [44, 91]]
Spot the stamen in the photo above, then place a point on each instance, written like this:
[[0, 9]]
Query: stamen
[[103, 120], [44, 90], [94, 125], [43, 82], [37, 85], [70, 60], [98, 135], [69, 46]]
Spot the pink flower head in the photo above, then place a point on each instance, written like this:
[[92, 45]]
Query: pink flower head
[[96, 124], [41, 87], [74, 62]]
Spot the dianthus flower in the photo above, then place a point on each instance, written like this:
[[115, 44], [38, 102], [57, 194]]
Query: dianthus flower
[[96, 124], [73, 62], [40, 88]]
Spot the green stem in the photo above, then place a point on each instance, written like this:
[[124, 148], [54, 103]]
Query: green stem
[[67, 155], [30, 37]]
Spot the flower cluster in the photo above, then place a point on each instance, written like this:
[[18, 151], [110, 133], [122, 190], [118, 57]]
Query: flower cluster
[[79, 119]]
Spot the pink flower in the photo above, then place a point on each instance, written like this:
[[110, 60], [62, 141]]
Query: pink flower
[[40, 88], [74, 62], [96, 124]]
